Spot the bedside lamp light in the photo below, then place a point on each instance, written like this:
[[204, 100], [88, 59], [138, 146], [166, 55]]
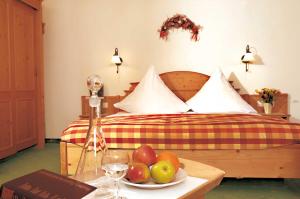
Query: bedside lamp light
[[116, 59], [248, 57]]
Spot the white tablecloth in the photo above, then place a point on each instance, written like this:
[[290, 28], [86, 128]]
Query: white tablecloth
[[170, 192]]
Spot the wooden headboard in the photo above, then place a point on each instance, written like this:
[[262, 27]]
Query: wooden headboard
[[184, 84]]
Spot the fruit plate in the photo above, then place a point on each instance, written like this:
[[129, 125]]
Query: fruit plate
[[180, 177]]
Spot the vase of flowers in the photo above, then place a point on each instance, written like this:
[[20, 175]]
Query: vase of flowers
[[268, 108], [267, 97]]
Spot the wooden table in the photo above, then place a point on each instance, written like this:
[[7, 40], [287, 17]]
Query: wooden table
[[197, 169], [193, 168]]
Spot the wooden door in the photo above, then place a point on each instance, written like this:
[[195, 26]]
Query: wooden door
[[6, 106], [21, 93], [24, 73]]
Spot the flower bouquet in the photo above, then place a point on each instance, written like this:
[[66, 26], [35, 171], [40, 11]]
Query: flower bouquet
[[267, 97]]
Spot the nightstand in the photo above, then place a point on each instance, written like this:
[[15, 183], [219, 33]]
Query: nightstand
[[278, 115], [85, 107]]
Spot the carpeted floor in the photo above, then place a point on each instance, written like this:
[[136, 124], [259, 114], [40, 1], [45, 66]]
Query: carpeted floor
[[30, 160], [48, 158]]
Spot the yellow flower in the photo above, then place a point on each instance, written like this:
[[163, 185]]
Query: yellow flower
[[267, 95]]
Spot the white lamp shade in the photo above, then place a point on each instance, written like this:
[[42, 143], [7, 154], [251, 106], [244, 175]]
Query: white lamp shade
[[116, 59], [248, 57]]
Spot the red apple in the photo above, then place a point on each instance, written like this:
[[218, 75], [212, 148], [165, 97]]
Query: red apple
[[144, 154], [138, 173], [163, 171]]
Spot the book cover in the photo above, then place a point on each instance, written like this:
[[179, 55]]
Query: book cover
[[44, 184]]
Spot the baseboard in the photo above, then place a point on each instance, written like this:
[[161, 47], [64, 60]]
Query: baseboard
[[52, 140], [293, 184]]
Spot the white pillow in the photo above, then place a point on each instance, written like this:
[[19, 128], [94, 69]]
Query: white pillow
[[152, 96], [218, 96]]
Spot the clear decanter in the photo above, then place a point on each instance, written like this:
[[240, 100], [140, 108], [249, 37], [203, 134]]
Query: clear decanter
[[89, 165]]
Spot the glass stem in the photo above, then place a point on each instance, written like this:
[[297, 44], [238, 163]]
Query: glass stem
[[117, 188]]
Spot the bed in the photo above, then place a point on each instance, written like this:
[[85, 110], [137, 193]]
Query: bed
[[265, 159]]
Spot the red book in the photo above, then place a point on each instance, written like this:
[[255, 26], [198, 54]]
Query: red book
[[44, 184]]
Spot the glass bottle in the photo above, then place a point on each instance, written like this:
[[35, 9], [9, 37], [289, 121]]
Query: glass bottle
[[89, 165]]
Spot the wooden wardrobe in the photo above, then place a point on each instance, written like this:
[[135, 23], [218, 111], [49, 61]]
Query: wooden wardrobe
[[21, 76]]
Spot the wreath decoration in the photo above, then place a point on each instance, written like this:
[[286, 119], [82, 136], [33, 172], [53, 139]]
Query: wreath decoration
[[179, 21]]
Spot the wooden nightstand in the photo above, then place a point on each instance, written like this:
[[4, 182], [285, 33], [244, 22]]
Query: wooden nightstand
[[82, 117], [279, 115], [85, 107]]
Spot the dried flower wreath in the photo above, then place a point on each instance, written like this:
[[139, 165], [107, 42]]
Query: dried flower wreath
[[179, 21]]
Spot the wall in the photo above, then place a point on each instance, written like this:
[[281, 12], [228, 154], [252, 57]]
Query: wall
[[81, 36]]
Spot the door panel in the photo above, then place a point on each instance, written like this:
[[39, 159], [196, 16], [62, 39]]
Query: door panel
[[23, 36], [24, 92], [6, 112], [6, 132], [4, 49], [25, 123]]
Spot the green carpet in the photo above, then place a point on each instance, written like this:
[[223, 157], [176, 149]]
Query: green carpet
[[33, 159], [30, 160]]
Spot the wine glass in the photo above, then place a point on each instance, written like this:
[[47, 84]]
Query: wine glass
[[115, 165]]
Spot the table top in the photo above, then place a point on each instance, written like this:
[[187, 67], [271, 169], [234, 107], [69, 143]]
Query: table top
[[194, 169], [197, 169]]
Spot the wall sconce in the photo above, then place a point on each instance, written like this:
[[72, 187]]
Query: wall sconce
[[248, 57], [116, 59]]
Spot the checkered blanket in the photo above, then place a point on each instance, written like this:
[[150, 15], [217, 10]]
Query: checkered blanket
[[190, 131]]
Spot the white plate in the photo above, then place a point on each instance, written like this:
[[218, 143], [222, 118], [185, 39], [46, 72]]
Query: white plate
[[180, 177]]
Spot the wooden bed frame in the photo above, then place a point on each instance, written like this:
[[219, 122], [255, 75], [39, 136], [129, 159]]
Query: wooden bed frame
[[280, 162]]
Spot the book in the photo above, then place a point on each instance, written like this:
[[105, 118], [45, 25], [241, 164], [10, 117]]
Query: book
[[43, 184]]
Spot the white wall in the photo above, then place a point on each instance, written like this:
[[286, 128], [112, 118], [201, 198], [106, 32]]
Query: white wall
[[81, 36]]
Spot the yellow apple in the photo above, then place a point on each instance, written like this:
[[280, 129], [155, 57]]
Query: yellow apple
[[163, 172]]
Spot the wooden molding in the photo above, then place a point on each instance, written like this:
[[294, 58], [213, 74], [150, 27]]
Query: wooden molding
[[36, 4]]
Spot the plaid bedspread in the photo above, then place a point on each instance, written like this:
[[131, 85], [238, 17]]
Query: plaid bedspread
[[190, 131]]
